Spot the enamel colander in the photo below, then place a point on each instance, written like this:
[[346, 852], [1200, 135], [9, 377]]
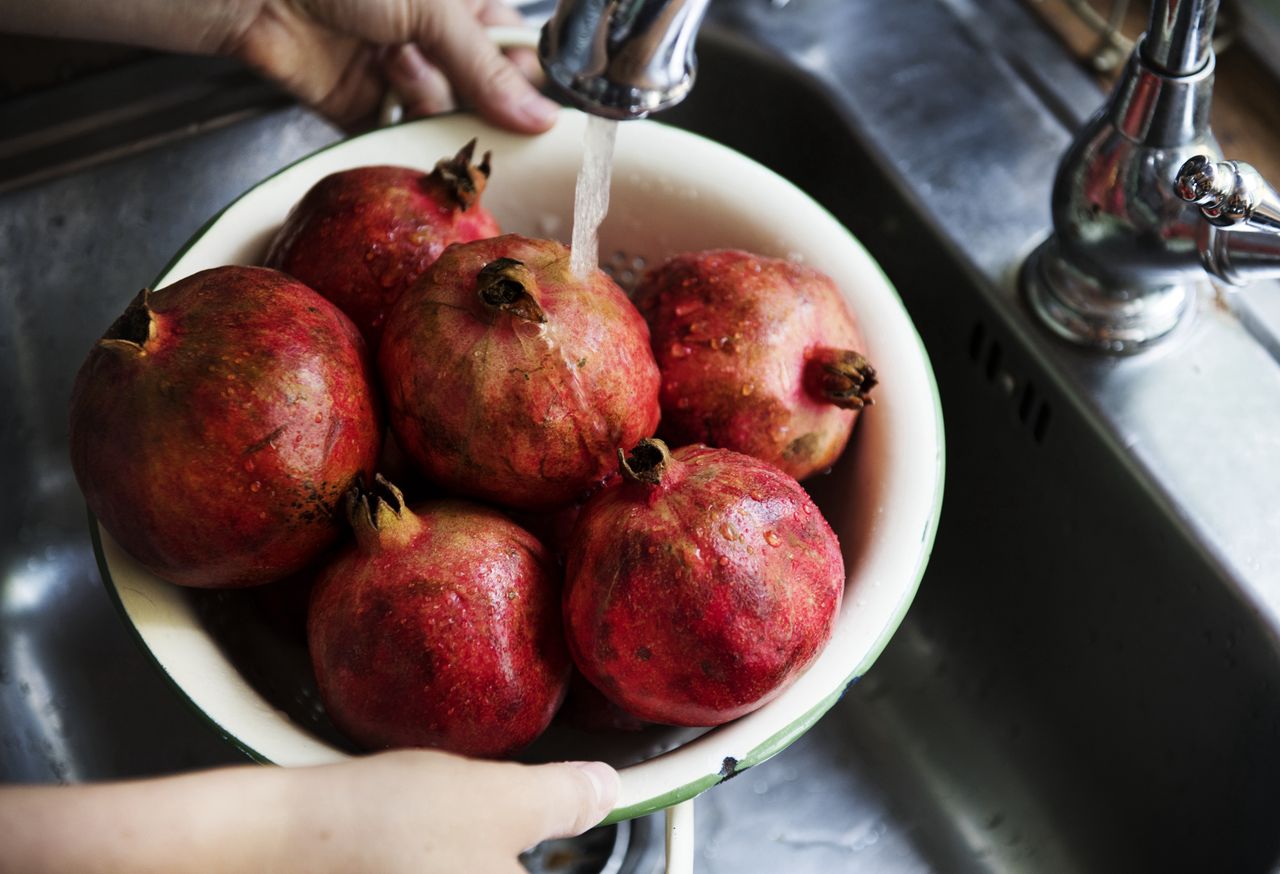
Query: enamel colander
[[671, 192]]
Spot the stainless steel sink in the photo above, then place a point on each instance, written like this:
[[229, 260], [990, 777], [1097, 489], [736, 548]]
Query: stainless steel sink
[[1088, 681]]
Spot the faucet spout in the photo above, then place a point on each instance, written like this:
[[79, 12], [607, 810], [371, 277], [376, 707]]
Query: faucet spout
[[622, 59]]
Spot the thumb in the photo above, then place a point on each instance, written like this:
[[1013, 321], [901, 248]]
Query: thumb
[[453, 39], [562, 800]]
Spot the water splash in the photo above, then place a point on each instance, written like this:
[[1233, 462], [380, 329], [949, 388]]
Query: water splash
[[591, 196]]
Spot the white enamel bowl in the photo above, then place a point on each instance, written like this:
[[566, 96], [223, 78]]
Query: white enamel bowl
[[671, 192]]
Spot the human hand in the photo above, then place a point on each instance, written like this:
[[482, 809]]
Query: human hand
[[414, 811], [340, 55], [427, 812], [337, 55]]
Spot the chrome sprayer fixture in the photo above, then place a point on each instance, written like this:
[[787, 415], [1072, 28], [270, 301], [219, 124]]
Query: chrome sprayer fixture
[[622, 59], [1128, 251], [1240, 237]]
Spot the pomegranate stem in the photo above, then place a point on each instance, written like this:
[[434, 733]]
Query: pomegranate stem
[[841, 377], [377, 513], [463, 180], [504, 285], [134, 327], [647, 462]]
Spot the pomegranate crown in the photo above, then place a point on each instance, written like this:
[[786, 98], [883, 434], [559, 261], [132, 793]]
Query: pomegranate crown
[[504, 286], [462, 179], [372, 509], [134, 327], [647, 462], [842, 377]]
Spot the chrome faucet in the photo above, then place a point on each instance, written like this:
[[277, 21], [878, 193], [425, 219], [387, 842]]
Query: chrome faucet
[[622, 59], [1128, 250], [1240, 238]]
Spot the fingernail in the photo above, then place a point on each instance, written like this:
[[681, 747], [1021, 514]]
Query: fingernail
[[604, 780], [537, 110]]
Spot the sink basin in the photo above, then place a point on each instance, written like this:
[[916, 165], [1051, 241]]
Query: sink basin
[[1082, 684], [1076, 682]]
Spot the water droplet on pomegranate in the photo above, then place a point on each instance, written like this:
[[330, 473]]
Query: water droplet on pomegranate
[[729, 531], [687, 306], [772, 538], [723, 560], [807, 508], [319, 418], [679, 350], [757, 496], [255, 486], [748, 389]]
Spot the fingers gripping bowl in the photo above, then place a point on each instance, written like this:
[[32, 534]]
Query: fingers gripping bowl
[[672, 192]]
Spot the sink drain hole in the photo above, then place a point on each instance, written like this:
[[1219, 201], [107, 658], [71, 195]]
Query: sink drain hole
[[1030, 409]]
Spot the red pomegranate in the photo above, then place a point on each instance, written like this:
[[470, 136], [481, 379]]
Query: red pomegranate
[[699, 584], [507, 378], [361, 237], [757, 354], [218, 422], [439, 627]]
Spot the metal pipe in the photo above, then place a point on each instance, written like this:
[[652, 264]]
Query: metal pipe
[[1179, 37]]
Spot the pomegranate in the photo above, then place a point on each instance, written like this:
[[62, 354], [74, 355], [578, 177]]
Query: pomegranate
[[511, 380], [758, 355], [439, 627], [360, 237], [699, 584], [218, 422]]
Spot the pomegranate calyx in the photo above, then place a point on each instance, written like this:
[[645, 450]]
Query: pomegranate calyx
[[135, 326], [503, 284], [377, 513], [841, 377], [463, 180], [647, 463]]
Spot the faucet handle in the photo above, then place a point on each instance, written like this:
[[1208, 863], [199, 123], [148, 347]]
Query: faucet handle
[[1231, 195]]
